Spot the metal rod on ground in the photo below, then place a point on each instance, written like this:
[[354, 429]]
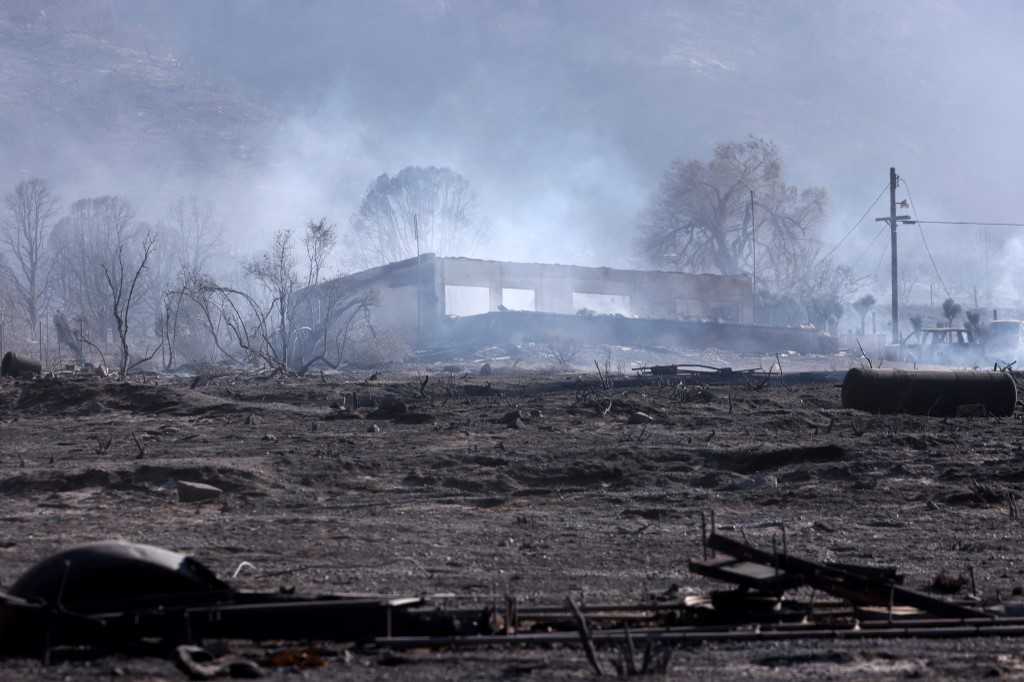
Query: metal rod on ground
[[712, 529], [775, 554], [897, 630], [510, 608], [584, 634], [704, 535], [631, 651]]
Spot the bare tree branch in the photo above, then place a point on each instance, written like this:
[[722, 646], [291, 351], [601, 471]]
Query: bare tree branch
[[418, 210], [123, 282], [25, 232]]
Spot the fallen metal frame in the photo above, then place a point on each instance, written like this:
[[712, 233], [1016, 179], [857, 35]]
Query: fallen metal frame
[[857, 587], [692, 369], [867, 602]]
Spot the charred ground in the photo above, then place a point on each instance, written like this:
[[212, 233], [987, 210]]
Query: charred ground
[[536, 483]]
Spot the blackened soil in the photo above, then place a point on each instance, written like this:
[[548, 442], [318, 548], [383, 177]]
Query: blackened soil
[[536, 483]]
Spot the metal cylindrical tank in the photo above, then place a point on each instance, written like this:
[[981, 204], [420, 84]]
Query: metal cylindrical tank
[[16, 366], [935, 393]]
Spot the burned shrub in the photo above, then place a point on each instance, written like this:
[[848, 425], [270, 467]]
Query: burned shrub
[[563, 350], [368, 348]]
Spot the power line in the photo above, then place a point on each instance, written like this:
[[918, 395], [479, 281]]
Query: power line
[[966, 222], [881, 256], [860, 257], [859, 221], [913, 207]]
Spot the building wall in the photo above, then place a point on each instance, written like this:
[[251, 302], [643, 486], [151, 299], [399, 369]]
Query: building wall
[[653, 294], [518, 327], [411, 293]]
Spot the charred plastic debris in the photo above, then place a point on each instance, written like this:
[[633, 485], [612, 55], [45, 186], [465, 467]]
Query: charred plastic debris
[[137, 599]]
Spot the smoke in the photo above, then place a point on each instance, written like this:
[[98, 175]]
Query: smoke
[[563, 115]]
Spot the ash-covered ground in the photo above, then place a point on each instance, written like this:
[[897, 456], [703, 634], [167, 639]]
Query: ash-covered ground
[[527, 481]]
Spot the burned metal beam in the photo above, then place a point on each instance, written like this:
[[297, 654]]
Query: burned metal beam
[[897, 630], [857, 588]]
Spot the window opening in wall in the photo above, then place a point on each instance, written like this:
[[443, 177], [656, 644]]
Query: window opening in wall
[[601, 304], [519, 299], [462, 301]]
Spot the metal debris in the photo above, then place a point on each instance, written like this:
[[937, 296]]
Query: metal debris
[[190, 492], [939, 393], [112, 596]]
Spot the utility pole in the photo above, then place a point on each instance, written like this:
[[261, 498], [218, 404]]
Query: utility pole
[[894, 220], [893, 180], [419, 281], [753, 256]]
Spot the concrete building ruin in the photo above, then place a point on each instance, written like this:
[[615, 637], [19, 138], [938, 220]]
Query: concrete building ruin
[[434, 300]]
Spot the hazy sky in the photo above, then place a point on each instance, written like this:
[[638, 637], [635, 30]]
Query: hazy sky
[[565, 114]]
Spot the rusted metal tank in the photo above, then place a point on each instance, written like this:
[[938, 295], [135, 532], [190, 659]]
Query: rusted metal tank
[[16, 366], [935, 393]]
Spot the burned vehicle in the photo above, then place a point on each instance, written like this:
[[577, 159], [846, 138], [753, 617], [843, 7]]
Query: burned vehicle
[[942, 346]]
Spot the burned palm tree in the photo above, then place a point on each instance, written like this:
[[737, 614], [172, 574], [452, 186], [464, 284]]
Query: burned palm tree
[[863, 306], [973, 325], [951, 310]]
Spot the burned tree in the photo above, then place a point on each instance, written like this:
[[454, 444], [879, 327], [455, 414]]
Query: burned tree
[[701, 218], [178, 322], [951, 310], [245, 330], [275, 272], [25, 233], [69, 337], [196, 231], [194, 235], [973, 326], [235, 318], [276, 325], [705, 216], [241, 324], [863, 306], [419, 210], [334, 314], [124, 280], [83, 243], [320, 239], [823, 290]]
